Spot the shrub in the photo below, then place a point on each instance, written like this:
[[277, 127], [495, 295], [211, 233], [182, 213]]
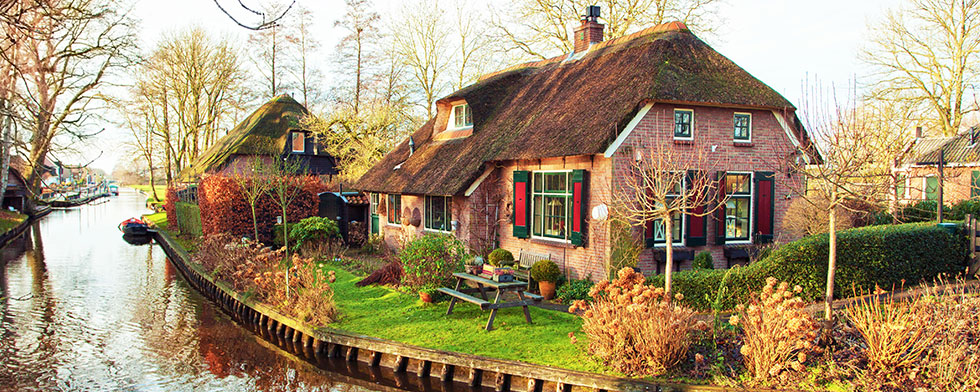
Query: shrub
[[959, 210], [626, 247], [312, 233], [633, 328], [953, 361], [357, 234], [545, 271], [574, 290], [703, 261], [429, 261], [389, 274], [921, 211], [897, 333], [866, 256], [778, 334], [373, 244], [500, 258], [188, 218]]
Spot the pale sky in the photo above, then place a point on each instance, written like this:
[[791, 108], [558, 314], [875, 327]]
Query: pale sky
[[780, 42]]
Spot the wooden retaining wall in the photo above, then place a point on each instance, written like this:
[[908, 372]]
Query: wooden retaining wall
[[388, 364]]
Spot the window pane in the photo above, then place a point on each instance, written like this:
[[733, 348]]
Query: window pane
[[742, 126], [537, 182], [469, 116], [737, 183], [682, 123], [932, 188], [555, 182], [537, 222], [554, 216], [737, 218], [299, 145]]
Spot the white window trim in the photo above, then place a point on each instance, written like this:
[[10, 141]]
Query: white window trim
[[425, 206], [745, 141], [451, 124], [292, 144], [752, 211], [683, 241], [388, 209], [673, 127], [568, 233]]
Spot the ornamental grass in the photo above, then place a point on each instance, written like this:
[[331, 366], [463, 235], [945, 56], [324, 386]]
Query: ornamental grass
[[633, 327], [778, 334]]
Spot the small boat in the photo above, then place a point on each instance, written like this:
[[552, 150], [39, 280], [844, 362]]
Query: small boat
[[114, 190], [134, 227]]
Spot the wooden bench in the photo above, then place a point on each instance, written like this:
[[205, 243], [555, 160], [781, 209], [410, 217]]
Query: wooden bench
[[526, 260], [465, 297]]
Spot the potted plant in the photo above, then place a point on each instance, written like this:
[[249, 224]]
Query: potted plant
[[498, 265], [474, 265], [426, 295], [546, 273]]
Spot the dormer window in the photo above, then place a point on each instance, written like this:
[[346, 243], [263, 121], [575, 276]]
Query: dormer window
[[461, 117], [299, 142]]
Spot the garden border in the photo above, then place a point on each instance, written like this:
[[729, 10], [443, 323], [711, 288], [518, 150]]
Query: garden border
[[325, 344]]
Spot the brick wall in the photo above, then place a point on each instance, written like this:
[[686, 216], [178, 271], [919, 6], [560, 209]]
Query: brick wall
[[956, 183], [769, 150]]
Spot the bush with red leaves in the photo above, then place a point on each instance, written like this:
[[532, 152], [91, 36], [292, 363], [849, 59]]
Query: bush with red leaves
[[390, 274]]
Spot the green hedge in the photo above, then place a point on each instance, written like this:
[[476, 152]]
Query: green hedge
[[883, 255], [189, 218]]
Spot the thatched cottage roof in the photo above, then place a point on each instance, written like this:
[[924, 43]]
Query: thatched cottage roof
[[264, 132], [565, 107]]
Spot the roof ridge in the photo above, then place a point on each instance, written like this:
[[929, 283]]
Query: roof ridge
[[659, 28]]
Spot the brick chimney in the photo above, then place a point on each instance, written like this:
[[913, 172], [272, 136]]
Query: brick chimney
[[918, 132], [590, 31]]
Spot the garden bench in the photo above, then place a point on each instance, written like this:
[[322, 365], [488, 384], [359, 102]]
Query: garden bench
[[526, 260], [483, 284]]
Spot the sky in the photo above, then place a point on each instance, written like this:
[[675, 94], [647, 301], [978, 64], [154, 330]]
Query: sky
[[781, 42]]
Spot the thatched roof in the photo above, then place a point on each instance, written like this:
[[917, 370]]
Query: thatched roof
[[565, 107], [962, 148], [264, 132]]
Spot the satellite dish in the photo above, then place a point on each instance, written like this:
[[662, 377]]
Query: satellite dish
[[600, 212]]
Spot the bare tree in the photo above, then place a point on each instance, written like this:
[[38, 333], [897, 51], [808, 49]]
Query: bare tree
[[140, 118], [666, 182], [269, 51], [421, 40], [927, 53], [357, 48], [266, 20], [306, 73], [283, 186], [252, 178], [543, 28], [472, 45]]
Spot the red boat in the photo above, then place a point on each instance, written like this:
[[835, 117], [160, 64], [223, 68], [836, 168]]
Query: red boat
[[134, 226]]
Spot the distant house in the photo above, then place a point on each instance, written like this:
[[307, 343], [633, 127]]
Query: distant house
[[273, 130], [16, 195], [918, 177], [553, 138]]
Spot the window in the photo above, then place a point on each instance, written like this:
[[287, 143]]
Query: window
[[931, 188], [461, 117], [299, 142], [551, 198], [743, 126], [438, 213], [375, 200], [738, 187], [975, 184], [683, 120], [676, 224], [394, 209], [900, 187]]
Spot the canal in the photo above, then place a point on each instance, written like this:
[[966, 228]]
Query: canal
[[83, 310]]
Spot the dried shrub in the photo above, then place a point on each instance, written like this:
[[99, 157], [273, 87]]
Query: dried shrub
[[389, 274], [250, 267], [357, 234], [953, 361], [897, 333], [633, 328], [778, 333]]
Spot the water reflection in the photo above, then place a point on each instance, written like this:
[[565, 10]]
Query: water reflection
[[84, 309]]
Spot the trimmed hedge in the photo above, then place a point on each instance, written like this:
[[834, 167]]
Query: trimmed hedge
[[224, 209], [882, 255], [189, 218]]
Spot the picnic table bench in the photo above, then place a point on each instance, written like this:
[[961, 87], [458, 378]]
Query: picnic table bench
[[482, 285]]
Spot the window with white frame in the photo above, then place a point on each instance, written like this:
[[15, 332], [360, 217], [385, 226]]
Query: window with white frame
[[677, 221], [683, 123], [551, 199], [742, 126], [738, 222], [375, 199], [438, 213], [394, 209], [299, 142], [460, 117]]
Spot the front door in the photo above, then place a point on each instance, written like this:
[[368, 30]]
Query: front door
[[375, 225]]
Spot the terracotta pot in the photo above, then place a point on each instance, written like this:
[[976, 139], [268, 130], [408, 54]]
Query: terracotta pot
[[547, 289], [427, 298]]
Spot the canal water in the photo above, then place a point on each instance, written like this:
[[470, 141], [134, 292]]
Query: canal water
[[81, 309]]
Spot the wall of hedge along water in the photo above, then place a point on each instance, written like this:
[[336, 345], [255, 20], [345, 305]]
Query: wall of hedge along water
[[884, 255], [189, 218]]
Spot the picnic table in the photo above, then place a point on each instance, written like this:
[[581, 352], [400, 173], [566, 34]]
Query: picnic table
[[482, 286]]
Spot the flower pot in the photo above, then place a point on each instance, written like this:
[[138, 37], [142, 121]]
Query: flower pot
[[547, 289], [474, 269], [425, 297]]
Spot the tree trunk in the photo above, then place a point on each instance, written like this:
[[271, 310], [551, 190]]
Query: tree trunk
[[255, 222], [5, 168], [669, 248], [831, 268]]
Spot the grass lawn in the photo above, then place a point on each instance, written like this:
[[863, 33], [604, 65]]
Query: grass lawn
[[159, 220], [10, 219], [161, 191], [386, 313]]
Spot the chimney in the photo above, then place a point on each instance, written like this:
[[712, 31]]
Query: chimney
[[918, 132], [590, 31]]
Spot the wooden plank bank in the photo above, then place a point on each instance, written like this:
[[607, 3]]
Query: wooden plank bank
[[387, 364]]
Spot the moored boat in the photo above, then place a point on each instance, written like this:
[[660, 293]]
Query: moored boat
[[134, 227]]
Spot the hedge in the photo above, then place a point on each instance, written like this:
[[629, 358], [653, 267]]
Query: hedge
[[866, 256], [224, 209], [189, 218]]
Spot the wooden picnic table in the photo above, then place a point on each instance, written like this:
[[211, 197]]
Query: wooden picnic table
[[482, 285]]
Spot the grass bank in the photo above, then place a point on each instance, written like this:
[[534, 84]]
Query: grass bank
[[10, 219], [161, 191]]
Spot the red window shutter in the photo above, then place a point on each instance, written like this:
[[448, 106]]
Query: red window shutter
[[764, 206], [697, 231], [579, 205], [720, 229], [521, 204]]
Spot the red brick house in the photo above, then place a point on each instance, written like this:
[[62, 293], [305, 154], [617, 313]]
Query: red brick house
[[524, 157], [918, 177]]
